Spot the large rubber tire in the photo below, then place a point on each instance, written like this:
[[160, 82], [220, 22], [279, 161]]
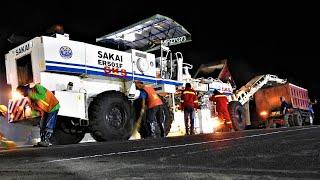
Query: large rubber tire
[[237, 115], [111, 117], [289, 119], [63, 133], [168, 119], [297, 118], [144, 128]]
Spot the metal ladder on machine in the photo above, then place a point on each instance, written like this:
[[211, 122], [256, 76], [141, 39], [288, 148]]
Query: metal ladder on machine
[[245, 92]]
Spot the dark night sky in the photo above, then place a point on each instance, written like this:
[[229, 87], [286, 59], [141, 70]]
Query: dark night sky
[[281, 39]]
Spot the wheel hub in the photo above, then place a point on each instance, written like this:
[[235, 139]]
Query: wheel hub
[[115, 117]]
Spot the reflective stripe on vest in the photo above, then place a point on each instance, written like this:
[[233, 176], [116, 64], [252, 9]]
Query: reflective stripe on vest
[[153, 99], [189, 92], [216, 96], [48, 103]]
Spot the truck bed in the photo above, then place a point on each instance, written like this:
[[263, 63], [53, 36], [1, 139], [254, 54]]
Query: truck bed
[[268, 99]]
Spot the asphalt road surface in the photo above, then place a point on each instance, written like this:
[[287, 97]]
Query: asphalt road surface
[[286, 153]]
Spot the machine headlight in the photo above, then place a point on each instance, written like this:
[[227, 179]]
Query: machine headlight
[[216, 123], [16, 95], [263, 113]]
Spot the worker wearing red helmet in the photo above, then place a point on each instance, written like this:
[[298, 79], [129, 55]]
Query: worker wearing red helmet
[[189, 101], [221, 102]]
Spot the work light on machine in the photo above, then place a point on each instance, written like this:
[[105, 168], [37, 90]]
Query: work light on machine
[[216, 123], [263, 113], [15, 95]]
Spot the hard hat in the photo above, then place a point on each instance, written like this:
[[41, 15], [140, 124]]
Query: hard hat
[[3, 108]]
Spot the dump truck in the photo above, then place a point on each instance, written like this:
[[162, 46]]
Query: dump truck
[[268, 105]]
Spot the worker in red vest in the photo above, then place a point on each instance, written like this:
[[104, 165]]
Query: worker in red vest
[[152, 102], [189, 101], [221, 102]]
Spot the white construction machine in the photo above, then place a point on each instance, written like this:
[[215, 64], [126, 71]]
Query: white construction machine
[[95, 84]]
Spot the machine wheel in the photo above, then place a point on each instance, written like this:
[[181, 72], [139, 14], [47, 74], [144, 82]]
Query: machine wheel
[[237, 115], [297, 119], [111, 116], [168, 117], [65, 133]]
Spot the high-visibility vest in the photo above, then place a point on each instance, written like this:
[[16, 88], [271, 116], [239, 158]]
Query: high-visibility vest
[[48, 103], [153, 99], [189, 98]]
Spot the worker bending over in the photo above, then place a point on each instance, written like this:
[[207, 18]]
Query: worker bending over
[[47, 106], [221, 102], [152, 102]]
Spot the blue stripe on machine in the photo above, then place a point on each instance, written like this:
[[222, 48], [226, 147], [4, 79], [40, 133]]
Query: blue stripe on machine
[[163, 81], [65, 69], [82, 65], [145, 78], [71, 64], [74, 70]]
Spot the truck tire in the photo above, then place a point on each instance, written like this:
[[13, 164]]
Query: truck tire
[[289, 119], [237, 115], [297, 119], [65, 134], [111, 117]]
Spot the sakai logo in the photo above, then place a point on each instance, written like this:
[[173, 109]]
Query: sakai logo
[[65, 52]]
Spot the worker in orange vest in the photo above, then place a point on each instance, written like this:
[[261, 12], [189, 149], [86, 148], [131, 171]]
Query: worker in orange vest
[[189, 101], [152, 102], [222, 111]]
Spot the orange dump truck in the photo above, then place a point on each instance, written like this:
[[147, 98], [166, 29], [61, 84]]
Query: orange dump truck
[[268, 105]]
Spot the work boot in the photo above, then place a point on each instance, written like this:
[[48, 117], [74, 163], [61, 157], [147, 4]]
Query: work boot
[[46, 141], [43, 144]]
